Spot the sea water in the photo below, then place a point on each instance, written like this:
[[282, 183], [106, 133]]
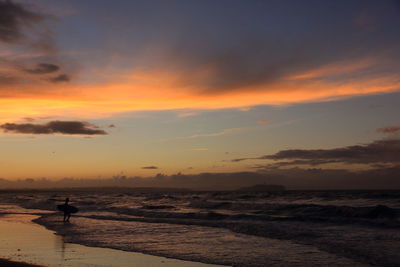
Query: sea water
[[291, 228]]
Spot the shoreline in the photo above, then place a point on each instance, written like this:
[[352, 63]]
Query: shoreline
[[8, 263], [225, 229], [201, 244], [32, 245]]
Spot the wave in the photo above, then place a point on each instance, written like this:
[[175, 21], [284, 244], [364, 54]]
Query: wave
[[337, 222], [219, 206]]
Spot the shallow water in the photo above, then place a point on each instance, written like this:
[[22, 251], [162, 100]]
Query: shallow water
[[191, 242], [294, 228], [22, 240]]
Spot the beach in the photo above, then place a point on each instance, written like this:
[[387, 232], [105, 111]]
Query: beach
[[332, 228], [207, 133], [24, 243], [7, 263]]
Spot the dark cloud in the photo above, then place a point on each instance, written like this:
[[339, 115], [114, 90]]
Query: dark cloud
[[54, 127], [150, 167], [6, 79], [252, 63], [273, 41], [43, 68], [111, 126], [241, 159], [13, 19], [389, 129], [308, 162], [22, 26], [381, 151], [60, 78], [397, 3]]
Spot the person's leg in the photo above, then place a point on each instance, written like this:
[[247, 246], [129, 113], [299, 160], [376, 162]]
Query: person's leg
[[65, 217], [69, 216]]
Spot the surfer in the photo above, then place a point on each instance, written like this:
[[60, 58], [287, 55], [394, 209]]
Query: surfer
[[67, 209], [67, 215]]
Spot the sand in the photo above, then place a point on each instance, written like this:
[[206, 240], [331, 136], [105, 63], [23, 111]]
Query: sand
[[7, 263], [21, 240]]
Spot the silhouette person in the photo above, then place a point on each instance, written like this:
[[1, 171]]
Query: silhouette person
[[67, 209], [67, 214]]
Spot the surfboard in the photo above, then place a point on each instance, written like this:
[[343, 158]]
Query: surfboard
[[67, 208]]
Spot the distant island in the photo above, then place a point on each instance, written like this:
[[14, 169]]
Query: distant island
[[263, 188]]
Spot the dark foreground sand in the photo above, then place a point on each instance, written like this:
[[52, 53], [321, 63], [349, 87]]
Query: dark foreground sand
[[7, 263]]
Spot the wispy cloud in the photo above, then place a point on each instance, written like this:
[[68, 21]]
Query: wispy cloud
[[229, 70], [261, 124], [263, 121], [389, 129], [220, 133], [187, 113], [205, 135]]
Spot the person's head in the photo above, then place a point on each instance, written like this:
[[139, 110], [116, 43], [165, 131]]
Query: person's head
[[67, 200]]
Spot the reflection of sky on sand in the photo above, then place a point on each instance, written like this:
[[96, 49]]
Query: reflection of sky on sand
[[22, 240]]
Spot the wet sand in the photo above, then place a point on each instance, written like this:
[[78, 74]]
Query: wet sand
[[7, 263], [23, 241], [194, 243]]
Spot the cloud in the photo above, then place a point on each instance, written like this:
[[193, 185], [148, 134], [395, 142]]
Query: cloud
[[268, 61], [14, 18], [381, 151], [150, 168], [263, 121], [185, 114], [54, 127], [221, 62], [60, 78], [32, 119], [233, 68], [215, 134], [29, 119], [199, 149], [389, 129], [27, 51], [7, 79], [221, 133], [295, 178], [279, 164], [43, 68]]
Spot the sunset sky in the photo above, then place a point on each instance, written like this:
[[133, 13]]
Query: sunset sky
[[98, 88]]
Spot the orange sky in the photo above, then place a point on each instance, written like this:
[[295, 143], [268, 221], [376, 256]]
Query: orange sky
[[188, 86], [158, 90]]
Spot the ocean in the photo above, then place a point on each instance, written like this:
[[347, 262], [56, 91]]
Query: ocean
[[283, 228]]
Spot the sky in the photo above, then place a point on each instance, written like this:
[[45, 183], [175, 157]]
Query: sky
[[95, 89]]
